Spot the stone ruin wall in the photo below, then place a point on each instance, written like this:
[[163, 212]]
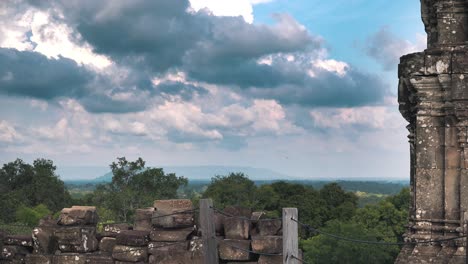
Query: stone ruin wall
[[433, 98], [175, 239]]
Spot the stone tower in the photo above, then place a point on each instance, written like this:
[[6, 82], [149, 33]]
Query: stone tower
[[433, 98]]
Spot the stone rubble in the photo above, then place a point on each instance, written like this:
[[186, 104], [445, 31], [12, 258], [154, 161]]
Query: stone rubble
[[165, 234]]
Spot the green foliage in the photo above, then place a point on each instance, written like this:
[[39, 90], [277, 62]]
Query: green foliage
[[31, 216], [133, 186], [30, 185], [384, 221], [315, 207], [323, 249], [233, 189]]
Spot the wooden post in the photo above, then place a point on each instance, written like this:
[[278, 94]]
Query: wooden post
[[290, 236], [207, 226]]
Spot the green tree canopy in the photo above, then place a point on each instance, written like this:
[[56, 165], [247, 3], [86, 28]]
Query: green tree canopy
[[30, 185], [233, 189], [135, 186]]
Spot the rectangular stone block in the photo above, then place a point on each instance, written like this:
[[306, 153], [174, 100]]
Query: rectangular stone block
[[99, 258], [78, 215], [44, 240], [232, 249], [143, 219], [111, 230], [270, 260], [172, 257], [269, 227], [165, 235], [459, 62], [137, 238], [10, 252], [438, 62], [38, 259], [80, 239], [130, 254], [411, 64], [236, 228], [156, 248], [459, 86], [19, 240], [267, 244], [107, 244], [69, 258], [173, 221], [174, 205], [173, 213]]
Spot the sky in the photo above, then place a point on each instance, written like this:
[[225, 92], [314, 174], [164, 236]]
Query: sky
[[306, 88]]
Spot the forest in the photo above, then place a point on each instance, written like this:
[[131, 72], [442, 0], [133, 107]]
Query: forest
[[31, 191]]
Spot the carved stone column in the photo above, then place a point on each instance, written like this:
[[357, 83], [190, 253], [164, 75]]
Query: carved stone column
[[433, 98]]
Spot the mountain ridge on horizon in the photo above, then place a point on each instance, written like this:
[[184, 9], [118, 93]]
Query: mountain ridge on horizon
[[205, 172]]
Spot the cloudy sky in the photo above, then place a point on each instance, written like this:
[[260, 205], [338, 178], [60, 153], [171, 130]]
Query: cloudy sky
[[305, 87]]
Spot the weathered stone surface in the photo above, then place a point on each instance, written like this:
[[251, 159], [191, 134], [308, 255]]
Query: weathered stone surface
[[256, 216], [99, 258], [173, 213], [10, 252], [76, 239], [19, 240], [219, 223], [269, 227], [156, 248], [172, 257], [236, 228], [270, 260], [232, 249], [435, 102], [171, 235], [38, 259], [130, 254], [69, 258], [107, 244], [137, 238], [268, 244], [143, 219], [44, 240], [111, 230], [78, 215]]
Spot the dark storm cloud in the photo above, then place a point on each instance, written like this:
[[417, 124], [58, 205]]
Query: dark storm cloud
[[31, 74], [34, 75], [329, 89], [159, 36]]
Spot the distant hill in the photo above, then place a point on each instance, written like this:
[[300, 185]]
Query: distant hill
[[207, 172]]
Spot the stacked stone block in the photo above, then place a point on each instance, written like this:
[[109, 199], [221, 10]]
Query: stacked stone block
[[15, 248], [242, 231], [165, 234], [172, 234]]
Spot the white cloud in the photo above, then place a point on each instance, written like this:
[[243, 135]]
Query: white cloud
[[386, 47], [53, 39], [42, 105], [331, 65], [8, 133], [38, 31], [376, 117], [229, 7]]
